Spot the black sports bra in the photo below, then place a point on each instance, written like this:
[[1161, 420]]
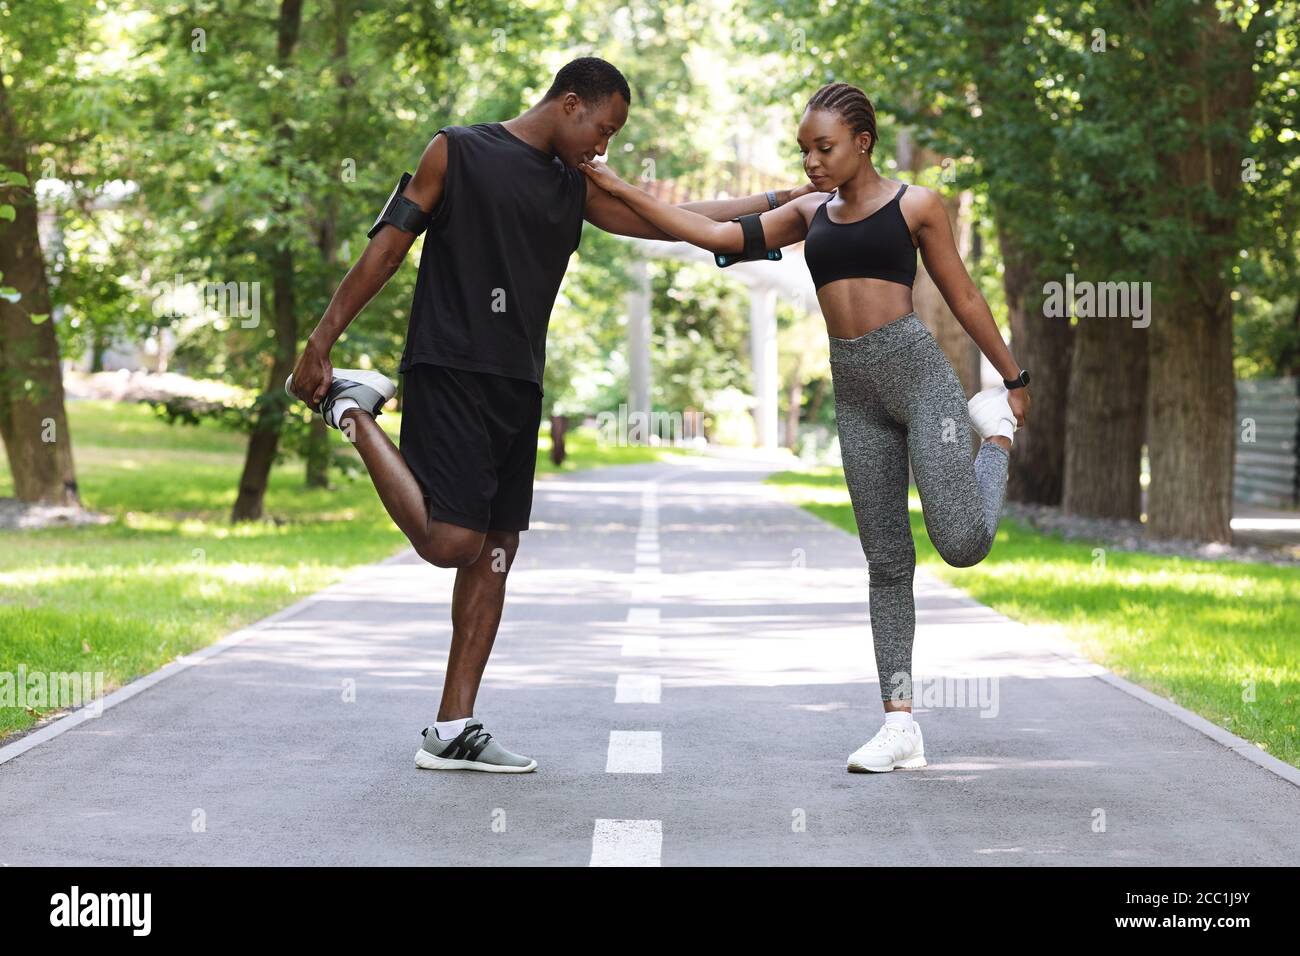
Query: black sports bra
[[877, 247]]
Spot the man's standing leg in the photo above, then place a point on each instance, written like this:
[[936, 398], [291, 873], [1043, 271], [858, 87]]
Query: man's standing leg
[[458, 740], [473, 445], [476, 604]]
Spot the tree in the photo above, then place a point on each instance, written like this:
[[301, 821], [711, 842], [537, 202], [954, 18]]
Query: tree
[[36, 46]]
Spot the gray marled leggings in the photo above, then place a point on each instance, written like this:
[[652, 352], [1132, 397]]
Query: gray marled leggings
[[896, 397]]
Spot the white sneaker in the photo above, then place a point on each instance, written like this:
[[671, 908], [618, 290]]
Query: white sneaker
[[371, 390], [891, 749], [991, 413]]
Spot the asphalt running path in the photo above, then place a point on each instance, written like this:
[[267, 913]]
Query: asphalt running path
[[688, 658]]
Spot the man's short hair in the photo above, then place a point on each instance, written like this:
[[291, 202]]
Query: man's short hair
[[592, 78]]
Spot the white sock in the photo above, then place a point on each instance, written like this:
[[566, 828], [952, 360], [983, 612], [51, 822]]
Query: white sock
[[901, 719], [342, 405], [449, 729]]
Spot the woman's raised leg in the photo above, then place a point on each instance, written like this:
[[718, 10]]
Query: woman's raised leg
[[961, 496]]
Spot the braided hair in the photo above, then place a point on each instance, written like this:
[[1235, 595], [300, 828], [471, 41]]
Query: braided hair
[[852, 106]]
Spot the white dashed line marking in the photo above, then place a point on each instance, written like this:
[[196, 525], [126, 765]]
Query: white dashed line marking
[[627, 843], [641, 645], [637, 689], [643, 615], [635, 751]]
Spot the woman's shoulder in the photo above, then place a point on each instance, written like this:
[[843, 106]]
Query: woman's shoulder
[[920, 197], [809, 203]]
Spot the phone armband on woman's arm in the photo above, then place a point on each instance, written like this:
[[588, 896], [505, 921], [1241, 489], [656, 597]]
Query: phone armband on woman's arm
[[755, 244]]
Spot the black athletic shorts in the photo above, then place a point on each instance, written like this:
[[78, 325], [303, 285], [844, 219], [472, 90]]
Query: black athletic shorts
[[470, 438]]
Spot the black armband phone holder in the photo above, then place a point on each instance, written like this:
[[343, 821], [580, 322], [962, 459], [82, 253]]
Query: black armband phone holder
[[755, 244], [401, 212]]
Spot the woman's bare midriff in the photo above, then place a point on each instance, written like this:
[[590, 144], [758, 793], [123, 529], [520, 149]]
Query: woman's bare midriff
[[854, 307]]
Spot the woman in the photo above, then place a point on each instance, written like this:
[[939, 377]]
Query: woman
[[896, 397]]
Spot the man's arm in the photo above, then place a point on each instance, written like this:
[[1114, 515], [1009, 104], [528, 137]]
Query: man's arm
[[611, 214], [379, 261]]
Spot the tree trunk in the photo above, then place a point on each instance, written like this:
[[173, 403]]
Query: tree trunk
[[815, 403], [318, 441], [98, 346], [1104, 415], [1044, 345], [265, 438], [33, 421], [1192, 414], [1192, 387], [318, 454], [559, 425]]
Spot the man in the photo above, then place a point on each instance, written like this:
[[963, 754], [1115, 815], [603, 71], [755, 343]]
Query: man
[[503, 204]]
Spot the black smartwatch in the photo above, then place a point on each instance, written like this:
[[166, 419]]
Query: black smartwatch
[[1020, 381], [771, 199]]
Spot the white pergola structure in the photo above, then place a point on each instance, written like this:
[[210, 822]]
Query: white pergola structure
[[765, 279]]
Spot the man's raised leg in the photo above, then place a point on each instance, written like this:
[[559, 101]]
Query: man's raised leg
[[438, 542]]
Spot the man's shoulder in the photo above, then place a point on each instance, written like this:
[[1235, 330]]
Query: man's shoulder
[[463, 130], [471, 129]]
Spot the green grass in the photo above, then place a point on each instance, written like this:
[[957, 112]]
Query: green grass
[[1201, 633], [170, 575]]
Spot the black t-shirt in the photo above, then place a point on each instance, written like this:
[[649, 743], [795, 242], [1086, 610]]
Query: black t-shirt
[[494, 255]]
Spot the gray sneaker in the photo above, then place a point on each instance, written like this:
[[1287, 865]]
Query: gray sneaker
[[473, 749]]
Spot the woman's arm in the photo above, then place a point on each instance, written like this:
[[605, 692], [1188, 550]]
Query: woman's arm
[[724, 209], [781, 226], [612, 215], [943, 262]]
